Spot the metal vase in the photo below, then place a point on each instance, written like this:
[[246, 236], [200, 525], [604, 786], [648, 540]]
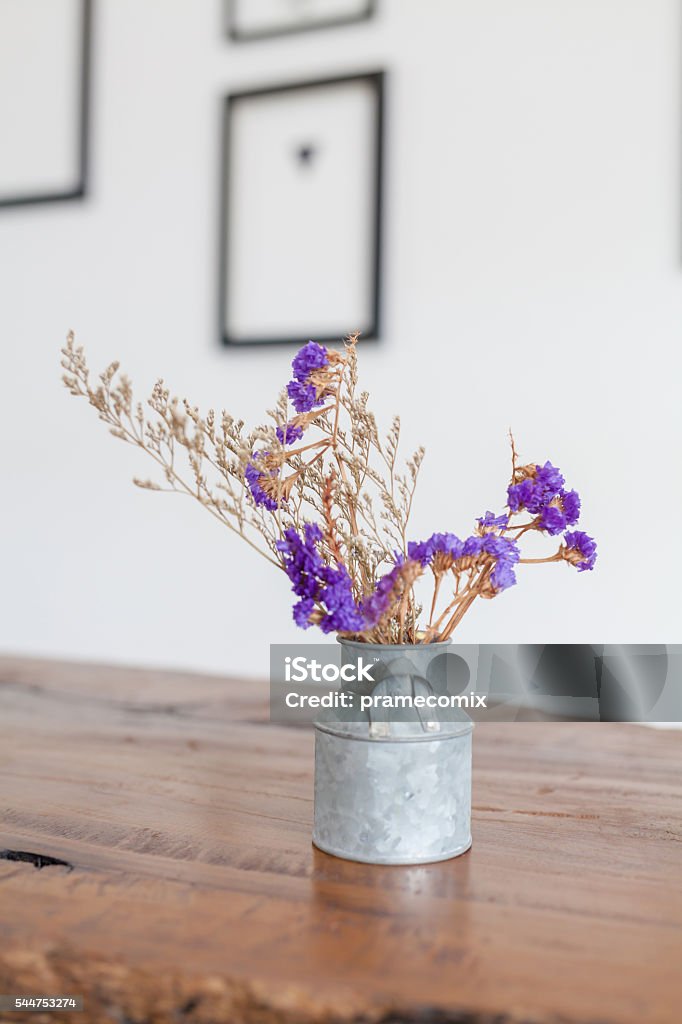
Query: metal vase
[[394, 789]]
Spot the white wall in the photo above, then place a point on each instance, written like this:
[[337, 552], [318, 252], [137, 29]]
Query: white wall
[[533, 277]]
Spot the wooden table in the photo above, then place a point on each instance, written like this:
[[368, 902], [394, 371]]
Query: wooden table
[[190, 891]]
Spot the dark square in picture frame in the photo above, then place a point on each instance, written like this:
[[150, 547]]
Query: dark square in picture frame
[[238, 35], [81, 116], [375, 81]]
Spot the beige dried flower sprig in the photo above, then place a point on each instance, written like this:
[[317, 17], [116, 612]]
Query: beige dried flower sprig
[[320, 495]]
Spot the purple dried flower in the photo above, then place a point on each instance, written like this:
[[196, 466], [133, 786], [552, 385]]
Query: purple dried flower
[[570, 502], [303, 396], [420, 551], [500, 547], [492, 522], [375, 607], [254, 477], [580, 550], [552, 520], [502, 577], [302, 561], [289, 433], [389, 590], [343, 615], [442, 551], [535, 492], [472, 546], [506, 554], [308, 359], [446, 544], [303, 609], [519, 496], [549, 478], [317, 583], [563, 511]]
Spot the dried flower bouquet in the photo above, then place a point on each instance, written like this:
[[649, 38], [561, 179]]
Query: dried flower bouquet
[[321, 496]]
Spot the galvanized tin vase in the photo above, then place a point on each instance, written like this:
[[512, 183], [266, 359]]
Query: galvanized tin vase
[[394, 788]]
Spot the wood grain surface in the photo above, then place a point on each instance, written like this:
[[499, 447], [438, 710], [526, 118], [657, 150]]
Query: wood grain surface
[[189, 891]]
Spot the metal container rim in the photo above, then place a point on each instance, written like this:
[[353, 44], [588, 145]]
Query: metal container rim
[[466, 728], [363, 645]]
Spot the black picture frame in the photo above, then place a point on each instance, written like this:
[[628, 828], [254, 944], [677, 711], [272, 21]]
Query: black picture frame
[[238, 36], [371, 331], [83, 118]]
